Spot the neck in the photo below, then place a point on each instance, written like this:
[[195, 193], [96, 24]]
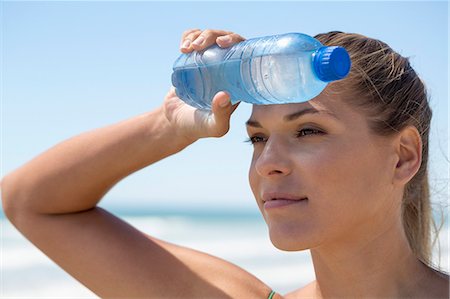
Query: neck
[[366, 264]]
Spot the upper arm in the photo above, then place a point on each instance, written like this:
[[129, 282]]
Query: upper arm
[[112, 258]]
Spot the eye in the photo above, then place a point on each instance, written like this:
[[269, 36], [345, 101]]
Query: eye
[[256, 139], [308, 131]]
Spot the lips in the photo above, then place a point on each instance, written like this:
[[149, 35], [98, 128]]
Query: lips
[[272, 196], [276, 203]]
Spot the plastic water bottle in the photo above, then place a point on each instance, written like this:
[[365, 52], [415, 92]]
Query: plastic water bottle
[[286, 68]]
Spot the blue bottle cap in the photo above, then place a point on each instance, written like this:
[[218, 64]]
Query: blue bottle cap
[[331, 63]]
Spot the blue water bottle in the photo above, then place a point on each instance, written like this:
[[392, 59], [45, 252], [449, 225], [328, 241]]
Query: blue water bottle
[[279, 69]]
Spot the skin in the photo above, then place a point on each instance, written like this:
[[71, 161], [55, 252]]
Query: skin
[[53, 199], [351, 178]]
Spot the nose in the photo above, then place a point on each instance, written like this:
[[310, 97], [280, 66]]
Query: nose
[[274, 160]]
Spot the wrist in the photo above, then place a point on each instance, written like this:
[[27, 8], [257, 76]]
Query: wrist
[[166, 130]]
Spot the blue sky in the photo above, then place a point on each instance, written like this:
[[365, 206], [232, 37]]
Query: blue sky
[[69, 67]]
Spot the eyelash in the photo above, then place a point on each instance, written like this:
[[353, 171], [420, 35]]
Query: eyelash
[[316, 132], [253, 139]]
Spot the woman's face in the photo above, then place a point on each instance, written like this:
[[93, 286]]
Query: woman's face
[[318, 175]]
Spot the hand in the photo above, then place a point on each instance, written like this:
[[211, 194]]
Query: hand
[[196, 39], [192, 123]]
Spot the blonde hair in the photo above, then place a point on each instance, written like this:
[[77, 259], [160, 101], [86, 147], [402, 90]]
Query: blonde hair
[[392, 96]]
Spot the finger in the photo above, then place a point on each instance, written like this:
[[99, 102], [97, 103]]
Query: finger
[[186, 44], [189, 31], [185, 34], [222, 102], [228, 40], [172, 92], [188, 38], [221, 113], [207, 38]]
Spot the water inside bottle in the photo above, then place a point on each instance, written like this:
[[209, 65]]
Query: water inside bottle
[[280, 79], [268, 79], [198, 85]]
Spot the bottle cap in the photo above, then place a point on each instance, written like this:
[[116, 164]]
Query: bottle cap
[[331, 63]]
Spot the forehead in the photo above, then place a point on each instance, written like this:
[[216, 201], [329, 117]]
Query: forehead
[[323, 102]]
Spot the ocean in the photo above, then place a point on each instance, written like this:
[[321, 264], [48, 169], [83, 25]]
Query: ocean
[[240, 238]]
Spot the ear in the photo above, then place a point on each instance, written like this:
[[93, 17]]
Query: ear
[[409, 154]]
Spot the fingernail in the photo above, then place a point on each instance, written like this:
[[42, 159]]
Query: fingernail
[[199, 41], [225, 39], [186, 44], [225, 102]]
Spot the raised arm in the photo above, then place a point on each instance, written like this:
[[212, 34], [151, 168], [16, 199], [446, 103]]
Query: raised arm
[[74, 175], [53, 200]]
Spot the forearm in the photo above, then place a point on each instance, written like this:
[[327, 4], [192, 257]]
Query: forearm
[[74, 175]]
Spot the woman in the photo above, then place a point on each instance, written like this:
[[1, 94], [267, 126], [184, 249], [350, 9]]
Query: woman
[[344, 175]]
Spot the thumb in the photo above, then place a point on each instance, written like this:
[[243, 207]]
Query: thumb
[[221, 112]]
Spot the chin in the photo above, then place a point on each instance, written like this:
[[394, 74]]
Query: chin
[[289, 241]]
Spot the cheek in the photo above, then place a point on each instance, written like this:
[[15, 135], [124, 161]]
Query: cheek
[[254, 181], [350, 180], [253, 178]]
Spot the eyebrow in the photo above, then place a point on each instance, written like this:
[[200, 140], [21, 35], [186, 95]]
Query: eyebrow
[[294, 116]]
